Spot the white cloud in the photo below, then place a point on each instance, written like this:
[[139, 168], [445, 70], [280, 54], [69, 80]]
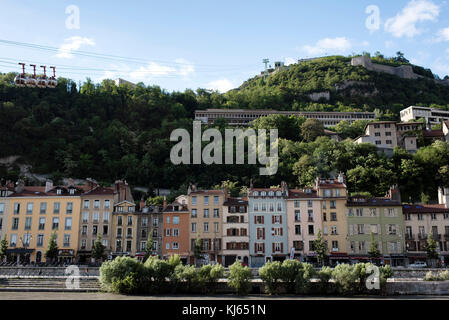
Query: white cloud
[[328, 45], [404, 23], [288, 61], [443, 35], [73, 43], [389, 44], [221, 85], [153, 70], [440, 67]]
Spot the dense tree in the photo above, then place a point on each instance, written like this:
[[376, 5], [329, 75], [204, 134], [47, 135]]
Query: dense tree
[[52, 251]]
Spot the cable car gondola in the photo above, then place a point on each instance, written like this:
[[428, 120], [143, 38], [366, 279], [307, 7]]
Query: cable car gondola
[[42, 80], [52, 82], [31, 81], [20, 80]]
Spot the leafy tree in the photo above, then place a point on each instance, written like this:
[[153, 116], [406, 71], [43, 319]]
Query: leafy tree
[[312, 129], [3, 248], [198, 249], [374, 251], [431, 249], [52, 250], [149, 245], [98, 249], [320, 247], [155, 201]]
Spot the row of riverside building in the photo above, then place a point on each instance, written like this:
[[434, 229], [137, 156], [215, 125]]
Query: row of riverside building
[[269, 224]]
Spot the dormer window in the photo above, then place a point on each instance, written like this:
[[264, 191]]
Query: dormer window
[[72, 191], [256, 193], [263, 193], [58, 191], [271, 193], [278, 193]]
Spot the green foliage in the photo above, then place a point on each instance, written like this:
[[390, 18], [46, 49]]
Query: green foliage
[[345, 278], [209, 276], [52, 250], [155, 201], [240, 278], [441, 276], [374, 251], [431, 248], [312, 129], [271, 274], [320, 247], [3, 247], [187, 278], [289, 272], [98, 249], [149, 246], [122, 275]]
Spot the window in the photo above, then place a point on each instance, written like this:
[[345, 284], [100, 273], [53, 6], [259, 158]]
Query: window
[[388, 134], [279, 206], [96, 217], [359, 212], [391, 212], [16, 208], [420, 216], [391, 229], [373, 212], [388, 142], [324, 216], [69, 208], [296, 203], [15, 223], [311, 245], [332, 204], [104, 242], [334, 245], [311, 229], [407, 217], [216, 226], [362, 246], [216, 200], [310, 215], [298, 229], [259, 219], [143, 245], [206, 213], [264, 206], [105, 217], [86, 204], [206, 227], [377, 126], [360, 229], [94, 230], [96, 204], [271, 207], [130, 221], [2, 207], [256, 207], [40, 240], [216, 213], [107, 204], [84, 230], [297, 216], [309, 203], [387, 125], [68, 224], [175, 232], [28, 223], [129, 232], [175, 246], [66, 242], [105, 230], [41, 223], [29, 208], [194, 213], [43, 207], [193, 226], [56, 207], [433, 216], [194, 201], [167, 245], [377, 134], [277, 219], [119, 232], [155, 233], [277, 247], [58, 191], [333, 216], [374, 228], [334, 230], [206, 200], [378, 142], [144, 221], [13, 240], [128, 246], [155, 222], [55, 224]]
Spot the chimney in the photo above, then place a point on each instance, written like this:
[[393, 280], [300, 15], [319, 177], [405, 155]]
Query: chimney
[[443, 196], [141, 204], [341, 178], [20, 186], [164, 205], [48, 185], [395, 194]]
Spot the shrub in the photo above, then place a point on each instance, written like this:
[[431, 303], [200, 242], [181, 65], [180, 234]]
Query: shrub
[[187, 275], [122, 275], [209, 275], [345, 278], [442, 276], [271, 274], [240, 278], [159, 271], [306, 272], [290, 270]]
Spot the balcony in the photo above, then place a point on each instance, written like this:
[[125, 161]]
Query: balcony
[[409, 237], [422, 236], [436, 236]]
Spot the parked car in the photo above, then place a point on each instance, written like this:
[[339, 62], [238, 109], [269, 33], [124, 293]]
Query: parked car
[[418, 264]]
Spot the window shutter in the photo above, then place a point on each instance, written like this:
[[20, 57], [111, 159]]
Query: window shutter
[[255, 220], [263, 247], [228, 232], [272, 247], [263, 219], [263, 232], [282, 246], [281, 231], [255, 247], [280, 219], [237, 232], [272, 219]]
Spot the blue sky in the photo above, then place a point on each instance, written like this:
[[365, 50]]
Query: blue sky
[[215, 44]]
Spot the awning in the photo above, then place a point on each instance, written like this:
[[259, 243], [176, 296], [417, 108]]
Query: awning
[[19, 250]]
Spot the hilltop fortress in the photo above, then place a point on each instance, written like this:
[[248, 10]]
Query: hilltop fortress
[[404, 71]]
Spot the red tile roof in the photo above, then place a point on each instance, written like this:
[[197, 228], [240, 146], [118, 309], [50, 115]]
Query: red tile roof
[[298, 193], [433, 133]]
